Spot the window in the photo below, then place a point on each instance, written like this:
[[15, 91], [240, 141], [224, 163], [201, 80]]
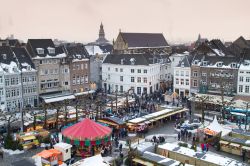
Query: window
[[177, 73], [86, 79], [116, 69], [241, 79], [66, 70], [139, 71], [195, 74], [132, 70], [121, 78], [177, 81], [132, 79], [121, 69], [116, 88], [82, 80], [121, 88], [246, 89], [182, 81], [204, 74], [139, 79], [145, 79], [240, 88], [109, 77], [74, 80], [138, 90], [108, 68], [195, 83], [12, 81], [51, 50], [187, 73], [86, 66], [40, 50], [182, 73], [78, 80], [7, 81], [248, 72], [204, 63], [241, 72], [46, 71], [187, 81], [247, 79], [145, 71]]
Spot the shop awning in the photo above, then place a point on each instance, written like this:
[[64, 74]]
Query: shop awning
[[235, 145], [31, 137], [224, 142], [140, 161], [246, 148]]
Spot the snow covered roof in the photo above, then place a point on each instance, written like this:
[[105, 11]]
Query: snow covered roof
[[93, 49], [216, 127], [60, 98], [211, 158], [94, 160]]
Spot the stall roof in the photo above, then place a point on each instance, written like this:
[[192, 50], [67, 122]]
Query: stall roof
[[116, 120], [212, 99], [94, 160], [216, 127], [242, 132], [63, 145], [160, 159], [162, 113], [48, 153], [235, 140], [58, 98], [215, 159]]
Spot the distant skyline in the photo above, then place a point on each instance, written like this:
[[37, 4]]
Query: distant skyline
[[79, 20]]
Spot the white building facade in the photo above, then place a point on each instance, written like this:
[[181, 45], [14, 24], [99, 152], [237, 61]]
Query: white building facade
[[182, 81], [243, 87], [128, 73]]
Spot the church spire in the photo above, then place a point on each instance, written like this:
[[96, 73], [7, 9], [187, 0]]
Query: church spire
[[101, 31]]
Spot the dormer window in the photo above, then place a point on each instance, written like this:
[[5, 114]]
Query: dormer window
[[122, 61], [40, 50], [196, 62], [29, 67], [15, 69], [51, 50], [132, 61], [182, 64], [219, 64], [6, 69], [4, 56], [233, 65], [204, 63]]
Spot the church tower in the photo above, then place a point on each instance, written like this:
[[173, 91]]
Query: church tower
[[101, 40], [101, 32]]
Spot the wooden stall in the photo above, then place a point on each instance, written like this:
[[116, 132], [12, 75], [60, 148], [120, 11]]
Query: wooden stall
[[224, 146]]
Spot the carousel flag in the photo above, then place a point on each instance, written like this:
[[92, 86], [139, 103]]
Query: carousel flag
[[76, 142], [98, 142], [87, 142], [82, 143], [68, 140]]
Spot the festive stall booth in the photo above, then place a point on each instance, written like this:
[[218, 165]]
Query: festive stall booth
[[51, 157], [215, 128], [65, 149], [88, 136]]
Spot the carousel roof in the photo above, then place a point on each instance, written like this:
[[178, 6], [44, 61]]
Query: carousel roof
[[86, 129]]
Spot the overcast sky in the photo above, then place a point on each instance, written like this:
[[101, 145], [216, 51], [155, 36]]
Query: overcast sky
[[79, 20]]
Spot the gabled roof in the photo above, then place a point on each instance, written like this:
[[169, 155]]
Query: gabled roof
[[139, 59], [186, 61], [33, 44], [238, 46], [144, 39], [23, 57], [76, 51], [5, 50]]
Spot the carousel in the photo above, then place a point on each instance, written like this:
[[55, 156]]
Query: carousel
[[87, 136]]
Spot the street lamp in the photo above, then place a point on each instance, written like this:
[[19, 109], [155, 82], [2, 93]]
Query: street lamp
[[246, 116]]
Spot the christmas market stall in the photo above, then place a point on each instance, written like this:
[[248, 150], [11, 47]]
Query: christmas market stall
[[87, 136]]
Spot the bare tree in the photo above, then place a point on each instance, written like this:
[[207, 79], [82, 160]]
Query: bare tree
[[45, 106], [202, 99], [9, 118]]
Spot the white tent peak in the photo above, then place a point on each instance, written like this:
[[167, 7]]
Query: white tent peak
[[215, 126]]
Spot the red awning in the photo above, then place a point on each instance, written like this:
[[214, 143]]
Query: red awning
[[86, 129]]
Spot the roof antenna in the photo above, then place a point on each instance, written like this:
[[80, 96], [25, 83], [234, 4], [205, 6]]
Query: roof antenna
[[120, 30]]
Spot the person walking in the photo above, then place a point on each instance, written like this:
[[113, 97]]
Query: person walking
[[120, 147], [207, 146], [179, 136]]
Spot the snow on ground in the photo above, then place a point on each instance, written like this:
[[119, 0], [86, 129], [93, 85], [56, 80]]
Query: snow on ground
[[11, 152]]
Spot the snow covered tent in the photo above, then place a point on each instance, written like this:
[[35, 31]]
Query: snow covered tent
[[214, 128], [94, 160]]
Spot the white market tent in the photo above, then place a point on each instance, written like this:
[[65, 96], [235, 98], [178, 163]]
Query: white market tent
[[94, 160], [214, 128]]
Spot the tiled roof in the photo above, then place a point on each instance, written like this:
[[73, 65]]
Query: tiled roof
[[144, 39], [6, 51], [139, 59], [33, 44], [23, 56]]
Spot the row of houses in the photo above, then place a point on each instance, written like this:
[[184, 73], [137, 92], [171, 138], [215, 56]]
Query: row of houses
[[215, 69]]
